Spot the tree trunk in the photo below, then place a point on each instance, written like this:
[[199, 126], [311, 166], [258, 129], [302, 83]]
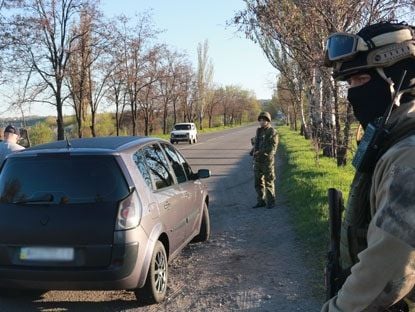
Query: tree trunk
[[342, 149], [117, 123], [93, 116], [174, 112], [134, 118], [80, 125], [165, 118], [59, 120], [146, 123], [328, 140], [117, 118], [200, 122], [305, 131]]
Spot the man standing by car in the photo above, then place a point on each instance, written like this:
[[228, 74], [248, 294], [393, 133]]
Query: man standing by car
[[9, 145], [266, 142]]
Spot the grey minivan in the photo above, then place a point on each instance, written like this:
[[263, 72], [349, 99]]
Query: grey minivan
[[98, 213]]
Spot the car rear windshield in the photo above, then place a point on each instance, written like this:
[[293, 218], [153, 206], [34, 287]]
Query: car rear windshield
[[182, 127], [62, 179]]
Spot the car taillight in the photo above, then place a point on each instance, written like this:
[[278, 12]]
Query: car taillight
[[129, 213]]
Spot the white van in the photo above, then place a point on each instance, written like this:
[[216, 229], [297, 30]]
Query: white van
[[185, 131]]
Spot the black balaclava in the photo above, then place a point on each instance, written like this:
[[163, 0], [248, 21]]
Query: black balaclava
[[370, 101]]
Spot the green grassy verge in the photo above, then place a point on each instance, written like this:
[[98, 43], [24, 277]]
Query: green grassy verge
[[304, 183]]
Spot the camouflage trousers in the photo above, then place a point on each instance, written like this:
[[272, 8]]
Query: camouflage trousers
[[264, 175]]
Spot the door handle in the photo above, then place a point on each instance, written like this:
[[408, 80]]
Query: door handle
[[167, 205]]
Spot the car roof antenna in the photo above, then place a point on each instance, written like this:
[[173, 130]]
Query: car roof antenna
[[68, 144]]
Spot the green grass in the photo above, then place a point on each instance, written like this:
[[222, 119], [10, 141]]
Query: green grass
[[304, 184]]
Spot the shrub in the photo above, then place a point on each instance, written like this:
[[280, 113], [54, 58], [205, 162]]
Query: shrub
[[41, 133]]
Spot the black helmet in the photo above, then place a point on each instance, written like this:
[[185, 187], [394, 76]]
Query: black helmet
[[264, 115], [377, 46]]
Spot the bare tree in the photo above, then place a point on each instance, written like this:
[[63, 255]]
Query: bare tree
[[148, 97], [185, 74], [169, 84], [78, 70], [187, 97], [39, 33], [117, 81], [136, 61], [214, 98]]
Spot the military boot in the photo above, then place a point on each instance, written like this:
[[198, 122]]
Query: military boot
[[271, 205], [260, 204]]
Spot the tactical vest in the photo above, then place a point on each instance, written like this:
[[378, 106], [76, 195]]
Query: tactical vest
[[358, 214]]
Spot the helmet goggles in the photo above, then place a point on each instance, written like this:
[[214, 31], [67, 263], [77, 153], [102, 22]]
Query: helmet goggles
[[348, 53], [343, 46]]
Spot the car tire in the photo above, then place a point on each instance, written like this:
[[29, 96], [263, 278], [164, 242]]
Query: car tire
[[172, 141], [155, 288], [204, 232], [190, 141]]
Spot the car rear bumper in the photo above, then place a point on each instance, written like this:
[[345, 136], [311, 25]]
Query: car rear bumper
[[122, 273]]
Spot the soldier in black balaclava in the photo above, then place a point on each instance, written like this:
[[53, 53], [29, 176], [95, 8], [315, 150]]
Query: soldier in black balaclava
[[378, 229]]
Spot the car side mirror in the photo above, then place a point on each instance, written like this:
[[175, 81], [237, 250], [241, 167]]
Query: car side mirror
[[203, 173]]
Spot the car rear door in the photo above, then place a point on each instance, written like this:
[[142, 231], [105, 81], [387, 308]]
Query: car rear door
[[167, 193]]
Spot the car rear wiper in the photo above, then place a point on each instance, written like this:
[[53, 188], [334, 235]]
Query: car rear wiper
[[46, 198]]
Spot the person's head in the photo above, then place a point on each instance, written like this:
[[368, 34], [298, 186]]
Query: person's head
[[11, 134], [373, 62], [264, 119]]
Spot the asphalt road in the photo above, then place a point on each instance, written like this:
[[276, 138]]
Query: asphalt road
[[253, 261]]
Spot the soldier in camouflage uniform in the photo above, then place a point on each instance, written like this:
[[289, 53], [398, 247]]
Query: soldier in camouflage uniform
[[266, 141], [378, 230]]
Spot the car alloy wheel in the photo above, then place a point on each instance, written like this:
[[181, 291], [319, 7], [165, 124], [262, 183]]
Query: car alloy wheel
[[160, 272], [154, 290]]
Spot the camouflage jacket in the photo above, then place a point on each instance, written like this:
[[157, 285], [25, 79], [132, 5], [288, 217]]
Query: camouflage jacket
[[385, 272], [266, 143]]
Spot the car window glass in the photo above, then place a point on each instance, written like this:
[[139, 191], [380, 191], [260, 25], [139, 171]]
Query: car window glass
[[158, 165], [175, 163], [182, 127], [185, 164], [67, 179], [139, 160]]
